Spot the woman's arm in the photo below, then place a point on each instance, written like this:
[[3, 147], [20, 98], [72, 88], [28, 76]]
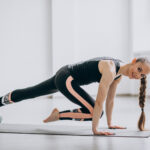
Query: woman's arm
[[110, 103], [110, 100], [108, 73]]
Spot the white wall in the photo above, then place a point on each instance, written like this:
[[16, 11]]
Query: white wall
[[25, 53], [87, 28], [62, 32], [141, 25], [140, 35]]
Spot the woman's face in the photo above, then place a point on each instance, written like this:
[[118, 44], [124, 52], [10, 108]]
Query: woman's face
[[138, 70]]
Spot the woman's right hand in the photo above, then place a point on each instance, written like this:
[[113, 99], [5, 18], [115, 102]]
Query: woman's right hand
[[103, 133]]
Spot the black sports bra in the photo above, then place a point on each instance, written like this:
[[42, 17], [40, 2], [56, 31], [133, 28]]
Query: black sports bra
[[86, 72]]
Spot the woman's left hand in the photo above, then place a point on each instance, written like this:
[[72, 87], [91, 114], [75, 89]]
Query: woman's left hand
[[116, 127]]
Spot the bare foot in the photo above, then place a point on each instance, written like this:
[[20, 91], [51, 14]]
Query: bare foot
[[53, 116]]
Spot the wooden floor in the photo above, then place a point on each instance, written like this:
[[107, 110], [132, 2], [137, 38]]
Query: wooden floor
[[126, 113]]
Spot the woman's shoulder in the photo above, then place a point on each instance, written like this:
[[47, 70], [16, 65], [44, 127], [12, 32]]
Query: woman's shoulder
[[106, 66]]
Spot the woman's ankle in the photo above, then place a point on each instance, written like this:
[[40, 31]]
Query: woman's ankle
[[1, 102], [6, 99]]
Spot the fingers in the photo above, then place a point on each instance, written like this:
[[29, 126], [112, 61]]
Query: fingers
[[104, 133], [117, 127]]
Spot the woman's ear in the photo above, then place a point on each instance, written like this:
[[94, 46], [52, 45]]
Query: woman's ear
[[134, 61]]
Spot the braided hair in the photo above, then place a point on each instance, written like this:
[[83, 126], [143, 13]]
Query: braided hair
[[141, 122], [142, 95]]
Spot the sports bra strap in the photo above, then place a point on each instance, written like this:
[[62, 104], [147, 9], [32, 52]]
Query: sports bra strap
[[117, 77]]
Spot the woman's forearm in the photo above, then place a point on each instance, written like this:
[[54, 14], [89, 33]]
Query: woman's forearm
[[96, 115], [98, 107], [109, 110], [110, 102]]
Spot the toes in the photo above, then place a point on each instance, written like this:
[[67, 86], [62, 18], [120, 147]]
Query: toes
[[54, 116], [45, 121]]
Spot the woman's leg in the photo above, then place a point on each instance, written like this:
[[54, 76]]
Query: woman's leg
[[78, 96], [78, 110], [72, 90], [43, 88]]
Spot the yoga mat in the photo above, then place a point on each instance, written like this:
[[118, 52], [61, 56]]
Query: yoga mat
[[69, 130]]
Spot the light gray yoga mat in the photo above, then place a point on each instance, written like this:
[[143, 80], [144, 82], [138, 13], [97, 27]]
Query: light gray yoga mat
[[69, 130]]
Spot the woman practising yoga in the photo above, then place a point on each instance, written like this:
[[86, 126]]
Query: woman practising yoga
[[68, 79]]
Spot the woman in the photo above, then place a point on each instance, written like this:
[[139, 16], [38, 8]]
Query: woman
[[106, 71]]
